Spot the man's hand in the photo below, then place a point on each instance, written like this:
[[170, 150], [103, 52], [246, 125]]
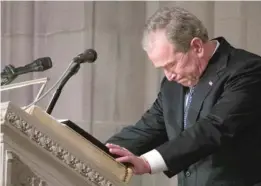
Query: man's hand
[[140, 165]]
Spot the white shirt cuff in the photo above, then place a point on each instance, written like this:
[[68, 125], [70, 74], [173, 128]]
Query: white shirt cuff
[[157, 163]]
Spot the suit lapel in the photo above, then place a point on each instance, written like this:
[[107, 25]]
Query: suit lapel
[[216, 67], [199, 95]]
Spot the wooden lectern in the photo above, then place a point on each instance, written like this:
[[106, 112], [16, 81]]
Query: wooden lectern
[[37, 150]]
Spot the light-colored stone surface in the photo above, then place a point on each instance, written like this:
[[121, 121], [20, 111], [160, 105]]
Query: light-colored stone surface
[[35, 146]]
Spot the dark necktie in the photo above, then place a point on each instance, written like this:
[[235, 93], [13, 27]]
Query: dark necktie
[[189, 99]]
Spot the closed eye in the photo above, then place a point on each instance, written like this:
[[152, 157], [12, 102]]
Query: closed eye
[[169, 66]]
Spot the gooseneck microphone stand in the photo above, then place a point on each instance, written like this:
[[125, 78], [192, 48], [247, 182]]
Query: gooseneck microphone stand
[[73, 70], [89, 56]]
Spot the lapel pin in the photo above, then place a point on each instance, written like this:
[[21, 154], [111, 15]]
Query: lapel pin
[[210, 83]]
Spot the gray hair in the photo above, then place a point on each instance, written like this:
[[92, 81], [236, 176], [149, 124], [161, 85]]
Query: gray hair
[[180, 26]]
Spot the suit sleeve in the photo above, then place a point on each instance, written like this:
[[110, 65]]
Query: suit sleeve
[[148, 133], [237, 109]]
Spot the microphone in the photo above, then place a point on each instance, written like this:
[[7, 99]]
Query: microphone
[[88, 56], [10, 72]]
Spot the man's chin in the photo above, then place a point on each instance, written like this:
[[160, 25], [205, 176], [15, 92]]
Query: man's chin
[[188, 83]]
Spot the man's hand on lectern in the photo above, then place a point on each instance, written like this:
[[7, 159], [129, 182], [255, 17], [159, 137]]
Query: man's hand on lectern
[[140, 165]]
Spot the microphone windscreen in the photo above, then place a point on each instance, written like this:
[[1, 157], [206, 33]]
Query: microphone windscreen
[[88, 55], [41, 64]]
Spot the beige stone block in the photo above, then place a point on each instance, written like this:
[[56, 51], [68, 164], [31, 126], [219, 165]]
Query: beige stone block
[[123, 17], [16, 18], [254, 36], [59, 16], [119, 75], [253, 11], [228, 9], [233, 29]]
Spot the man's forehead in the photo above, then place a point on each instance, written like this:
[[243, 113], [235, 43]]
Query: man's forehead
[[161, 51], [158, 40], [157, 37]]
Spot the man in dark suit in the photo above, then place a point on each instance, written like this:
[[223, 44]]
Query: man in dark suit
[[205, 124]]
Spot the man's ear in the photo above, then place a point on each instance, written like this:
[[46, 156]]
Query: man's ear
[[196, 45]]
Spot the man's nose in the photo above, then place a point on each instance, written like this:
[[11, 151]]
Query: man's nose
[[170, 75]]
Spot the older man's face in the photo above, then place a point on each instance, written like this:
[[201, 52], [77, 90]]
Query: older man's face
[[181, 67]]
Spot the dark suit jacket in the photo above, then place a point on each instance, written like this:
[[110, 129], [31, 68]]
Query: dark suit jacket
[[222, 145]]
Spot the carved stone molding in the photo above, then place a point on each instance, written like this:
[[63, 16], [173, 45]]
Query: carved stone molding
[[19, 174], [56, 150], [2, 115]]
